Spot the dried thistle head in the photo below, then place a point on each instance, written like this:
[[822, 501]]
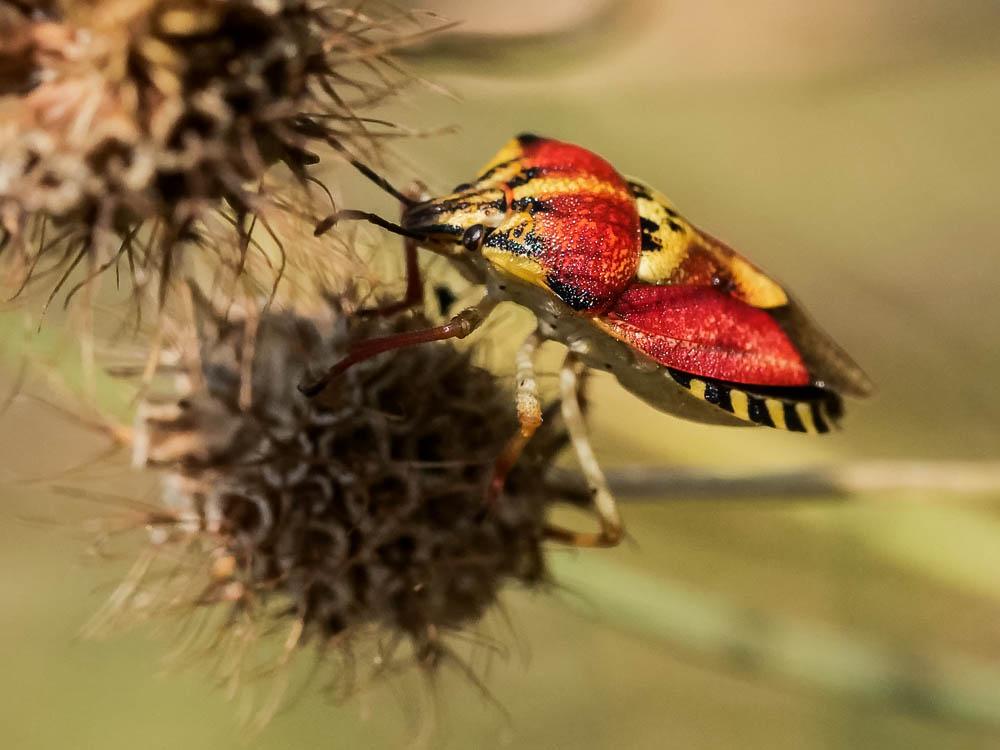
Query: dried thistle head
[[22, 45], [126, 122], [361, 514]]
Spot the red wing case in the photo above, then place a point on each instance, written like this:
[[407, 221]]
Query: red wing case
[[675, 252], [574, 216], [705, 332]]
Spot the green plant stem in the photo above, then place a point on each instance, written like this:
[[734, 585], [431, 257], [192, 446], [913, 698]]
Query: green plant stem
[[760, 646], [54, 351]]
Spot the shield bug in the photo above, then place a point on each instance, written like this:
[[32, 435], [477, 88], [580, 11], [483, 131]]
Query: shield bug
[[612, 270]]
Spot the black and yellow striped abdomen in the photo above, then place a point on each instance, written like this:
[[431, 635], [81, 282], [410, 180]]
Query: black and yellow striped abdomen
[[811, 410]]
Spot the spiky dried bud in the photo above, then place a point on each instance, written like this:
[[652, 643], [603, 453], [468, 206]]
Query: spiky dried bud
[[130, 112], [365, 511]]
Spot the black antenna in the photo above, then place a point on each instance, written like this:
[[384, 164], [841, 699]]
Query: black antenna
[[372, 175], [352, 215]]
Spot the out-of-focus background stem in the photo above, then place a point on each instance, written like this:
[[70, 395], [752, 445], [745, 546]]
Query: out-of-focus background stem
[[803, 656]]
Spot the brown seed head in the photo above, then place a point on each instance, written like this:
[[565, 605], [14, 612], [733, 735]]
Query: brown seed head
[[363, 512], [126, 122]]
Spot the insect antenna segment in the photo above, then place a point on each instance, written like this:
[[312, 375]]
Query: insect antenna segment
[[370, 174], [353, 215]]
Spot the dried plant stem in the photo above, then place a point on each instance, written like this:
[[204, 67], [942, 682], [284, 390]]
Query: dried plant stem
[[762, 646], [835, 482]]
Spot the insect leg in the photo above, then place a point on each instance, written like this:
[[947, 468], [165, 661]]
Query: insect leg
[[458, 327], [604, 503], [414, 294], [529, 415]]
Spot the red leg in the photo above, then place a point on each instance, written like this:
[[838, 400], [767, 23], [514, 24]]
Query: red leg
[[506, 461], [414, 294], [457, 328]]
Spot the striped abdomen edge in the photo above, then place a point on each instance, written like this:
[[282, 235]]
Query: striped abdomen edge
[[811, 410]]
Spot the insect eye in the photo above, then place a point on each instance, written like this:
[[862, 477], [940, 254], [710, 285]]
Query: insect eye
[[473, 238]]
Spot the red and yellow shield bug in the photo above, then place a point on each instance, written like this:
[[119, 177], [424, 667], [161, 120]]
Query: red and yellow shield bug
[[613, 271]]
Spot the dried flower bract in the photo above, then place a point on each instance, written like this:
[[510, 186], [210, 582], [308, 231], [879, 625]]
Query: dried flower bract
[[125, 123], [358, 517]]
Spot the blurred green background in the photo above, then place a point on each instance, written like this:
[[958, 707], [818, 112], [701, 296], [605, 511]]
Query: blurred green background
[[849, 148]]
